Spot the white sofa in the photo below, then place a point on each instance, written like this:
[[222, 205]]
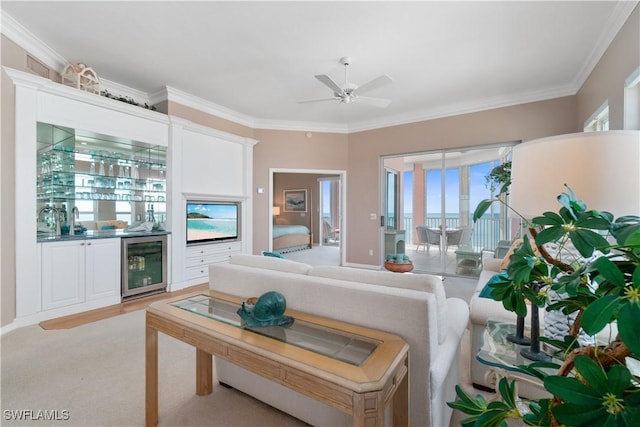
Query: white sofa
[[413, 306]]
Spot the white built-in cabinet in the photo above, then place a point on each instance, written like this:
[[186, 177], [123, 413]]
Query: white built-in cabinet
[[58, 278], [79, 271], [199, 257]]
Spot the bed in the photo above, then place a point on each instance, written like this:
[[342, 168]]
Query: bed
[[290, 238]]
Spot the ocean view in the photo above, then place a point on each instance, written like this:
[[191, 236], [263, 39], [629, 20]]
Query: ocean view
[[221, 226]]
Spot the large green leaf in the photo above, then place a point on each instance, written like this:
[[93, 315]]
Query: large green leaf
[[494, 418], [599, 314], [467, 404], [482, 207], [550, 234], [610, 271], [619, 379], [548, 218], [579, 416], [572, 391], [592, 373], [628, 316], [593, 223], [586, 241]]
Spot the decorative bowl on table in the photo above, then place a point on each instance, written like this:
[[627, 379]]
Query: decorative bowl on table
[[398, 267]]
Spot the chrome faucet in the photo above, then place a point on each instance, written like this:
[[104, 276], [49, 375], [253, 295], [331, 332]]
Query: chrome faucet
[[75, 214], [52, 213]]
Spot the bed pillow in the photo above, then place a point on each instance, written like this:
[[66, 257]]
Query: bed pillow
[[272, 254]]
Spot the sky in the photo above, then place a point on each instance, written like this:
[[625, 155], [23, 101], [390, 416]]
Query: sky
[[477, 188]]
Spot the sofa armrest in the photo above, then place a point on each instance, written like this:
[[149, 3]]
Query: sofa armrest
[[444, 372], [448, 350]]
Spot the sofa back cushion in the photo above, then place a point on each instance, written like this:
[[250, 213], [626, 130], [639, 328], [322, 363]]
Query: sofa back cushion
[[270, 263], [419, 282]]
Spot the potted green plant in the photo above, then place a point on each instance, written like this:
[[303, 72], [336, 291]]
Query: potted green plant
[[595, 385]]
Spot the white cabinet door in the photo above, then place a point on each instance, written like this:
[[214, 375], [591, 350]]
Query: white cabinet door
[[102, 268], [63, 279]]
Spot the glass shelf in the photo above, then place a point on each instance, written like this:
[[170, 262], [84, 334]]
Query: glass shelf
[[339, 345], [75, 166]]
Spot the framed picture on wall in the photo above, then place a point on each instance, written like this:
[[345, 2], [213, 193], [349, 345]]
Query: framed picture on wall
[[295, 200]]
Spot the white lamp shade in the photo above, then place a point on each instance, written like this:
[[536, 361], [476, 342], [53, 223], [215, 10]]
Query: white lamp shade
[[602, 168], [276, 210]]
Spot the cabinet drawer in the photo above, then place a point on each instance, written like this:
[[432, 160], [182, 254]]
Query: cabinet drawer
[[208, 254], [197, 272]]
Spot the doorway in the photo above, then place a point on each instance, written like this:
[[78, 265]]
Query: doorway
[[329, 215], [324, 214]]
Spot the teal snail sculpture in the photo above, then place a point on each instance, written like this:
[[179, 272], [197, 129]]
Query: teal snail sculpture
[[267, 311]]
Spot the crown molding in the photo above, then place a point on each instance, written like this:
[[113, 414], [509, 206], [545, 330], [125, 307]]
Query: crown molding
[[171, 94], [24, 38], [463, 108], [613, 26]]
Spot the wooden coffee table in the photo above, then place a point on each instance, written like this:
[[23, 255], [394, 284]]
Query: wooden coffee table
[[354, 369]]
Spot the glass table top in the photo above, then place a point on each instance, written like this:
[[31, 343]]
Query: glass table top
[[339, 345], [497, 351]]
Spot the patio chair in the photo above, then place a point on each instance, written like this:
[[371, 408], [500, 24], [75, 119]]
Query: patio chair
[[427, 236], [454, 238], [329, 234]]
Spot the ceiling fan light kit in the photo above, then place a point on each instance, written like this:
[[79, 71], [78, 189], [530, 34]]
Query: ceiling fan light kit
[[350, 92]]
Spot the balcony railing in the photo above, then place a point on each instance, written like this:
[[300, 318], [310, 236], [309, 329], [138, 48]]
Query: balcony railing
[[485, 233]]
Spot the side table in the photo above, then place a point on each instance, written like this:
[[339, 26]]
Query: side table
[[502, 358], [468, 261]]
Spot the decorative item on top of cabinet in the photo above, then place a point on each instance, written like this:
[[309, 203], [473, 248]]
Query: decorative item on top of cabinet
[[81, 77]]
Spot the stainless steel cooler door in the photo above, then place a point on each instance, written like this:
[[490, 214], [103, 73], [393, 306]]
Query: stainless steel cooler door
[[144, 265]]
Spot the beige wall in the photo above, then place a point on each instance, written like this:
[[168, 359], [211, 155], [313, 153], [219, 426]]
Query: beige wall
[[204, 119], [12, 56], [289, 150], [606, 81], [359, 153]]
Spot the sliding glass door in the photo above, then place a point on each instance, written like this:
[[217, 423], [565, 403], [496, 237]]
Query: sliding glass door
[[445, 187]]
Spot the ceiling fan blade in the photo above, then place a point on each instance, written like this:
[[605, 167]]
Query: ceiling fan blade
[[328, 81], [373, 84], [376, 102], [308, 101]]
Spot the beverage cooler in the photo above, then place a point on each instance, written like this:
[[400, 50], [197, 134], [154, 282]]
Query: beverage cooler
[[144, 265]]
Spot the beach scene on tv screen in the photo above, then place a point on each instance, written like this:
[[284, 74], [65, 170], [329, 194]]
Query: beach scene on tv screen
[[211, 221]]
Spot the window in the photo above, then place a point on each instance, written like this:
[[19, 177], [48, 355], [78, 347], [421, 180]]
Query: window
[[599, 120], [632, 101]]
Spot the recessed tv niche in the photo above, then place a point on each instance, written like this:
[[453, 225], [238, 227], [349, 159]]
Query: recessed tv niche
[[209, 221]]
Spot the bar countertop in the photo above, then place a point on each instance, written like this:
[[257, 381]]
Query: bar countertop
[[99, 234]]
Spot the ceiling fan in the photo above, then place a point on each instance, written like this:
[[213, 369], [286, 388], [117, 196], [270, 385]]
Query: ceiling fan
[[350, 92]]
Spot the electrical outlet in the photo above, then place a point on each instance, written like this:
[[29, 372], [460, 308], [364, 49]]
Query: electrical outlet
[[370, 252]]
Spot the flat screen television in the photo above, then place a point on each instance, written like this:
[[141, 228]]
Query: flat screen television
[[210, 221]]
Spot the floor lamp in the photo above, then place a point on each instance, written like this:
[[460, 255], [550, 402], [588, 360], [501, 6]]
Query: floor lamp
[[602, 168]]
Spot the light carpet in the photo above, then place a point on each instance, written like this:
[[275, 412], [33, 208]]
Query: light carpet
[[93, 375]]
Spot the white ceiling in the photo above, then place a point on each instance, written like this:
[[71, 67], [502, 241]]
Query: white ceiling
[[255, 60]]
